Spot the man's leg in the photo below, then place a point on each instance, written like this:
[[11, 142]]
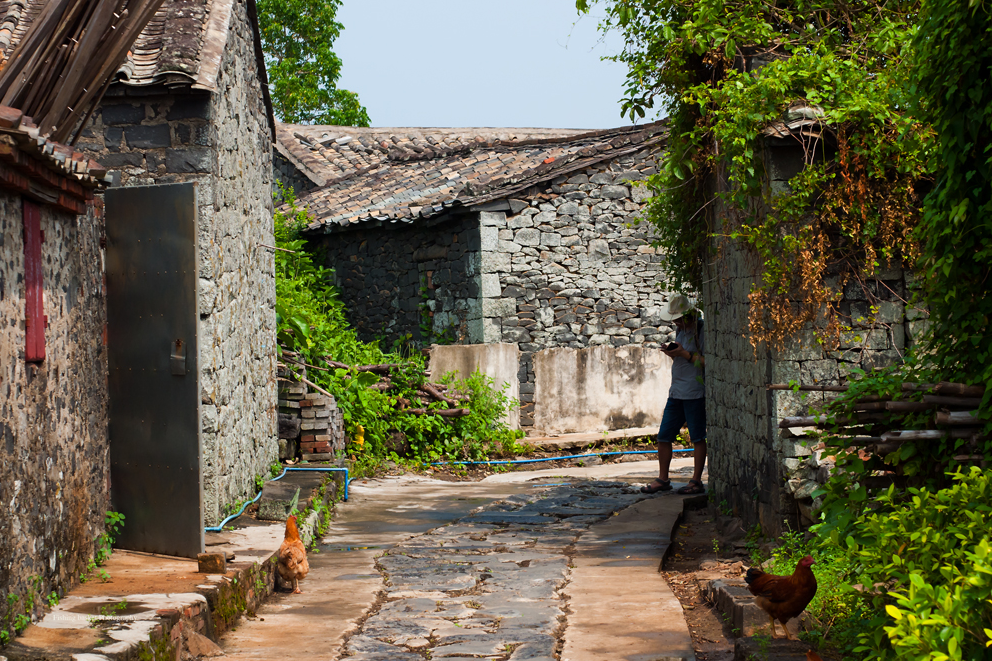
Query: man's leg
[[698, 459], [695, 412], [671, 422], [664, 460]]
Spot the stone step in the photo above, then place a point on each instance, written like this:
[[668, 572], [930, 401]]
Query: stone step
[[160, 607], [765, 649]]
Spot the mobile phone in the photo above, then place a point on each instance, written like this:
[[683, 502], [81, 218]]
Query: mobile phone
[[671, 346]]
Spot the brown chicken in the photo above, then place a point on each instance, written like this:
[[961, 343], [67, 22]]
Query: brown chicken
[[292, 556], [783, 597]]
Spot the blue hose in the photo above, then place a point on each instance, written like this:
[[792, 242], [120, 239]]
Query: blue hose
[[534, 461], [220, 526]]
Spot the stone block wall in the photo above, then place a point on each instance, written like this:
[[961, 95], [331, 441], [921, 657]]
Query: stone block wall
[[398, 280], [237, 283], [54, 461], [223, 141], [570, 268], [565, 267], [764, 474]]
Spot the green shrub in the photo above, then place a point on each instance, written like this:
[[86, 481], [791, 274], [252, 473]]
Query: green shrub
[[312, 321], [927, 572]]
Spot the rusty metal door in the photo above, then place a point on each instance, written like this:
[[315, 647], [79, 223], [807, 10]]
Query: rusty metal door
[[155, 448]]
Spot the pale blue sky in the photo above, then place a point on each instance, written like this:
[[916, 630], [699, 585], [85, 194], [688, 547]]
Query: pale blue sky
[[515, 63]]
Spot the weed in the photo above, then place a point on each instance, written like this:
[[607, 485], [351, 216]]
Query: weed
[[52, 599]]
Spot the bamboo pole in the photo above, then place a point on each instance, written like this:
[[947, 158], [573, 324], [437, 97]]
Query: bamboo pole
[[908, 407], [957, 418], [945, 400]]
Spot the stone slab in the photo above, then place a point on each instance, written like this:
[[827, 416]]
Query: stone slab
[[626, 611], [731, 597], [581, 440]]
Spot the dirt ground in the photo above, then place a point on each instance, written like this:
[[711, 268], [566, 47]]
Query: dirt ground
[[693, 544]]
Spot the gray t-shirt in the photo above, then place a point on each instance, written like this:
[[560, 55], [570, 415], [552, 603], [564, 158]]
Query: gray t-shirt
[[687, 379]]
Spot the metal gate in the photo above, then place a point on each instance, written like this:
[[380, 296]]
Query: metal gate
[[155, 450]]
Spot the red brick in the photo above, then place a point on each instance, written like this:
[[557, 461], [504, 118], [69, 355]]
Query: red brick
[[312, 448]]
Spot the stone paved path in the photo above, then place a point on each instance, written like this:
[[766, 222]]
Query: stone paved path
[[489, 585], [528, 565]]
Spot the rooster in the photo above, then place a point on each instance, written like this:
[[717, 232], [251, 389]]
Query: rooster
[[783, 597], [292, 556]]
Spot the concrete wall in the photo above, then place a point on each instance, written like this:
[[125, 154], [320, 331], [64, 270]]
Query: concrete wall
[[499, 361], [398, 280], [764, 474], [54, 463], [222, 141], [600, 388]]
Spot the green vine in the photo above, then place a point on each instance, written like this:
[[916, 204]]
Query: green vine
[[726, 72]]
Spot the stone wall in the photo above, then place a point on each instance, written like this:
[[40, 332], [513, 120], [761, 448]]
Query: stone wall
[[570, 268], [237, 284], [565, 267], [222, 141], [54, 463], [764, 474], [398, 280]]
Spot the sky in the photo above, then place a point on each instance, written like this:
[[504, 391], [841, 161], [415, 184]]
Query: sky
[[513, 63]]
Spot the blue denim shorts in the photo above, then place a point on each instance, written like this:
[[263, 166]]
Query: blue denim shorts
[[678, 412]]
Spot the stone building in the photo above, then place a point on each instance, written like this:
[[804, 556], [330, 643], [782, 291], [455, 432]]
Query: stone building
[[54, 469], [525, 238], [766, 475], [190, 103]]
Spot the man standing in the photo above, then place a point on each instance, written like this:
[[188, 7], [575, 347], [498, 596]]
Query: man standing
[[686, 398]]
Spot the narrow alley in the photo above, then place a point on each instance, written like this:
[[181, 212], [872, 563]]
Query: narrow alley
[[524, 565]]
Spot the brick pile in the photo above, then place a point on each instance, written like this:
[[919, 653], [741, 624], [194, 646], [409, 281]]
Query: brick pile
[[320, 432]]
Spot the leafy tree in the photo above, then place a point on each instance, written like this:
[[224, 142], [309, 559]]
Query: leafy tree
[[297, 36], [724, 71], [952, 73]]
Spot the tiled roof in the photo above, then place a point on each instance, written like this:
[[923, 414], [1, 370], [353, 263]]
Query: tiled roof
[[402, 174], [181, 45], [19, 132], [44, 169]]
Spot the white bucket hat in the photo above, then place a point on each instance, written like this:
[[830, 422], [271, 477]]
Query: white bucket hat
[[678, 306]]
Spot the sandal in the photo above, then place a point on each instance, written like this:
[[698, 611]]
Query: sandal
[[694, 487], [656, 486]]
